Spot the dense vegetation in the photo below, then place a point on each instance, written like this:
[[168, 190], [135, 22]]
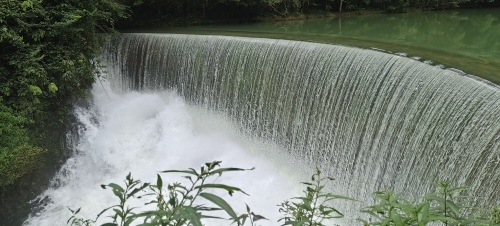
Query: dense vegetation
[[177, 204], [47, 51], [182, 12], [46, 56]]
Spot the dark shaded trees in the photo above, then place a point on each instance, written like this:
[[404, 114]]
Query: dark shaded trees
[[47, 51], [156, 13]]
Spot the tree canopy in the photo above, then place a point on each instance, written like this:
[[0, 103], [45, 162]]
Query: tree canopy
[[47, 56], [185, 12]]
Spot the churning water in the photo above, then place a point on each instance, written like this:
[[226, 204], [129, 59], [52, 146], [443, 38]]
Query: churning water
[[369, 119], [144, 133]]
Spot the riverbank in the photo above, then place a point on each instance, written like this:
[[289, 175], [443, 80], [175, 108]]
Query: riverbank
[[181, 13]]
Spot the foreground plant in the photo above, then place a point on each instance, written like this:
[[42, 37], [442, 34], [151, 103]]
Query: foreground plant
[[446, 206], [314, 207], [175, 203]]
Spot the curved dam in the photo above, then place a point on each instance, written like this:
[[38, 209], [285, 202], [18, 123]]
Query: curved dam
[[369, 119], [375, 119]]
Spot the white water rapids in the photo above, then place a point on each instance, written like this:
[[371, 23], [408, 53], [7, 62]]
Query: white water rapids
[[144, 133]]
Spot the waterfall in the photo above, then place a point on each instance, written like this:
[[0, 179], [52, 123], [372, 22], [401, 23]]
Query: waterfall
[[369, 119]]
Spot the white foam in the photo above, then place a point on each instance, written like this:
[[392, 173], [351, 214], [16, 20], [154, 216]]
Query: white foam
[[145, 133]]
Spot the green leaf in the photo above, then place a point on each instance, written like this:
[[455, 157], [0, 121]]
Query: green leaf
[[137, 190], [395, 217], [26, 4], [423, 211], [159, 182], [453, 207], [116, 187], [191, 214], [202, 208], [119, 195], [386, 221], [221, 170], [129, 220], [71, 218], [192, 172], [98, 215], [52, 87], [458, 189], [230, 189], [441, 218], [35, 90], [330, 195], [373, 214], [220, 203], [257, 217], [119, 213]]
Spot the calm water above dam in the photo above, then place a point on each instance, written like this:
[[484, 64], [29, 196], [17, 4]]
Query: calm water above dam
[[465, 39]]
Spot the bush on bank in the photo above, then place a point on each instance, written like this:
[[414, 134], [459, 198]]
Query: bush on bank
[[17, 157], [47, 51]]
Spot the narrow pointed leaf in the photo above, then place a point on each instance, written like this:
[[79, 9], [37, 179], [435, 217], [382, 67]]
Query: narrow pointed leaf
[[137, 190], [98, 215], [116, 187], [221, 170], [159, 182], [230, 189], [220, 203], [330, 195], [191, 214], [453, 207], [192, 172], [458, 189], [257, 217]]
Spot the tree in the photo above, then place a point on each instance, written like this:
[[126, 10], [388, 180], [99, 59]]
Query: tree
[[48, 56]]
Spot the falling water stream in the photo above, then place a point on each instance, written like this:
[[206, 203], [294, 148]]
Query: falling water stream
[[144, 133], [369, 119]]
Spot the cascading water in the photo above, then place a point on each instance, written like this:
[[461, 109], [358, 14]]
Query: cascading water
[[369, 119], [144, 133]]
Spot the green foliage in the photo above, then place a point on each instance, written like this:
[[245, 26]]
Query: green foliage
[[494, 216], [47, 56], [19, 161], [446, 206], [45, 43], [314, 207], [16, 156], [174, 204], [12, 132], [52, 87], [157, 13]]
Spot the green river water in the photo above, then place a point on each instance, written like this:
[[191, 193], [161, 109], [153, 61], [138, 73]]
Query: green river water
[[468, 40]]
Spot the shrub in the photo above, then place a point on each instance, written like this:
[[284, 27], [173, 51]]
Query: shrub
[[175, 204], [16, 156]]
